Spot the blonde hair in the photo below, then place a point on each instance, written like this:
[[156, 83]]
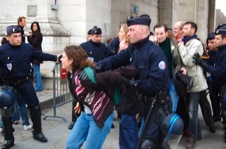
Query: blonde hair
[[125, 29]]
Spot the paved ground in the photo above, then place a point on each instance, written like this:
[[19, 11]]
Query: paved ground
[[56, 131]]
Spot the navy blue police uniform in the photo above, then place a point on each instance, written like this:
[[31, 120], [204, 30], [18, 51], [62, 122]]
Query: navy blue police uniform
[[95, 51], [15, 73], [15, 68], [113, 46], [152, 77]]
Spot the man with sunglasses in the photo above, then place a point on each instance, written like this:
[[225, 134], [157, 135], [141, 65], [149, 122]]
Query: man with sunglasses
[[15, 71], [218, 69]]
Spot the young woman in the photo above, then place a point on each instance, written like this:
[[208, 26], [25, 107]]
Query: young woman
[[35, 39], [94, 123]]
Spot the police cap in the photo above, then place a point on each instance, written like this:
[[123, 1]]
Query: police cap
[[96, 30], [143, 19], [13, 29], [89, 32], [221, 29]]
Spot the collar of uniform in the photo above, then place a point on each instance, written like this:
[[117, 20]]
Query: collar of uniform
[[140, 43], [94, 43], [223, 47]]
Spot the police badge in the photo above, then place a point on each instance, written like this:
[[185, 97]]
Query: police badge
[[9, 66]]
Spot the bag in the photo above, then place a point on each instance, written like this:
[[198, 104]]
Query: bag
[[182, 83]]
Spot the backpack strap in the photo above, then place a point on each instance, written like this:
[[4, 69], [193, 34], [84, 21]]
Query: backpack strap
[[90, 73]]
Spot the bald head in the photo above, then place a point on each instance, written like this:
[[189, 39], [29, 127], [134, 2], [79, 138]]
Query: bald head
[[177, 29], [137, 33]]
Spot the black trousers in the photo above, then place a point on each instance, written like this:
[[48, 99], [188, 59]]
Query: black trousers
[[206, 109]]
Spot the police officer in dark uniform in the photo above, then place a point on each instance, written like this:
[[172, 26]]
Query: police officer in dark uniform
[[152, 77], [218, 70], [15, 72], [95, 49]]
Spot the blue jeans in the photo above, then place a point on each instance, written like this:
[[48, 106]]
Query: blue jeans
[[1, 124], [20, 105], [174, 96], [128, 132], [38, 77], [85, 129], [193, 104]]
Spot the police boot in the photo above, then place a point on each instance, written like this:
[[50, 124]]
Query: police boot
[[8, 132], [37, 125]]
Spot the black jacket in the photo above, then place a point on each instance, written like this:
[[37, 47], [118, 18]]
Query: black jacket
[[36, 41], [97, 51]]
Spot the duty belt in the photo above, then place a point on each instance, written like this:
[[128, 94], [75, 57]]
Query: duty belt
[[144, 98], [16, 82], [161, 96]]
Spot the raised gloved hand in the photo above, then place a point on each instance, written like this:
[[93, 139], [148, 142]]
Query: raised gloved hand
[[126, 82], [198, 60]]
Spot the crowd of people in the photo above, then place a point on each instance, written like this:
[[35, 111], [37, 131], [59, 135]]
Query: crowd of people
[[162, 76]]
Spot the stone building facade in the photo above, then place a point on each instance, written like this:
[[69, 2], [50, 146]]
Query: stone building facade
[[65, 22]]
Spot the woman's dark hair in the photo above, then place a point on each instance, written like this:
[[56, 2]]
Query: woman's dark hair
[[4, 41], [79, 57], [35, 22]]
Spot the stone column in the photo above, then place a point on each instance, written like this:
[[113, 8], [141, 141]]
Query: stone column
[[168, 12], [212, 16], [55, 36], [196, 11]]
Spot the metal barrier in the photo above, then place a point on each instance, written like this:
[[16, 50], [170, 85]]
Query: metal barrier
[[61, 93]]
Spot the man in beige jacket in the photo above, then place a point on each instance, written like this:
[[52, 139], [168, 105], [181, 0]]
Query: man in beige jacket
[[187, 48]]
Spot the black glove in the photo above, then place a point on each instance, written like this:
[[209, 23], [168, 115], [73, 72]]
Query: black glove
[[126, 82], [82, 76], [59, 58], [198, 60]]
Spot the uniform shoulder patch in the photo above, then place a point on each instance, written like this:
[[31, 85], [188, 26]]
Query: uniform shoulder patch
[[162, 65]]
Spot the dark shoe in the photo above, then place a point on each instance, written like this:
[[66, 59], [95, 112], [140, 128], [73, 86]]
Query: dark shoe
[[199, 137], [212, 129], [71, 125], [190, 143], [7, 144], [39, 136], [112, 126]]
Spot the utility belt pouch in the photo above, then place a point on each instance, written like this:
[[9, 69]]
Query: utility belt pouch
[[164, 106]]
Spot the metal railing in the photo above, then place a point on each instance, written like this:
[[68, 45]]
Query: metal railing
[[61, 93]]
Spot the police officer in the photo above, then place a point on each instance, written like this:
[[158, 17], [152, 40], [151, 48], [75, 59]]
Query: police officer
[[94, 48], [218, 70], [152, 77], [15, 71]]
